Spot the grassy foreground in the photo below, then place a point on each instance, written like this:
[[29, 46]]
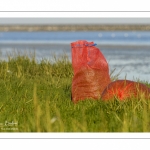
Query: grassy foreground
[[36, 97]]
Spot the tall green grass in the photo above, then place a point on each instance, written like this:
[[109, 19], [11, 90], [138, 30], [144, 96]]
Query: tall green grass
[[36, 97]]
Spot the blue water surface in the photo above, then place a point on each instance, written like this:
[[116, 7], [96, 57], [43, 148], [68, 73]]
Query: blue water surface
[[100, 37]]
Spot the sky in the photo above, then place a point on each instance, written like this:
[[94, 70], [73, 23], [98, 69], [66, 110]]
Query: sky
[[63, 21]]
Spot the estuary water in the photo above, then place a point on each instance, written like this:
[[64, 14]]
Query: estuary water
[[128, 52]]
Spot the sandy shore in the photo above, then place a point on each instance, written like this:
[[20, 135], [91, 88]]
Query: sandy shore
[[74, 27]]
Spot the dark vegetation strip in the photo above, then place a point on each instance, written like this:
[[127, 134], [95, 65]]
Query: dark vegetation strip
[[74, 27]]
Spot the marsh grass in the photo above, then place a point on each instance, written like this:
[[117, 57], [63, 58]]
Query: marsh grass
[[37, 97]]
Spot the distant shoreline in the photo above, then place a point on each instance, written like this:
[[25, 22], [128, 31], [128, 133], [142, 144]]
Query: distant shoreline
[[31, 28]]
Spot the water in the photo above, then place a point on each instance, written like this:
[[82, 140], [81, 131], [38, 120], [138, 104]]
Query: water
[[126, 51]]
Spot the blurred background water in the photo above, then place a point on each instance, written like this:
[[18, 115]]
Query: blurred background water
[[125, 51]]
